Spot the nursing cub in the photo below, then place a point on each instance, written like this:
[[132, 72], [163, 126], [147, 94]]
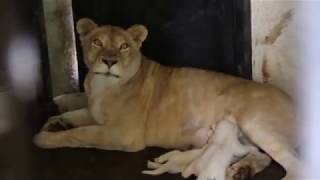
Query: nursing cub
[[134, 102]]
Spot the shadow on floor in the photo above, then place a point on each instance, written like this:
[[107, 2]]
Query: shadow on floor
[[84, 164]]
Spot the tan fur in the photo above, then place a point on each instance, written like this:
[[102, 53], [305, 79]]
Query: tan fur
[[148, 104]]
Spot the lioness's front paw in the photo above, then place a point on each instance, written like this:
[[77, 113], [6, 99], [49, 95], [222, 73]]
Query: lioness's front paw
[[42, 140], [56, 123]]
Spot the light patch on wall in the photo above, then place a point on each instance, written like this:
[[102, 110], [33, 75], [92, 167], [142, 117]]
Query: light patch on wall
[[23, 65], [274, 42]]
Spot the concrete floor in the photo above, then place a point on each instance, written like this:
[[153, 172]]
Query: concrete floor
[[84, 164]]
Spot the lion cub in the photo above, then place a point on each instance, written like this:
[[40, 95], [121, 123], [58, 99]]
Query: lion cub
[[209, 162]]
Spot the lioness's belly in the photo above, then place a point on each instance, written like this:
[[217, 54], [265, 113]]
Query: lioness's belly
[[185, 105], [173, 126]]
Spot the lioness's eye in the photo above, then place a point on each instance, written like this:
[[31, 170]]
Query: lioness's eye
[[97, 43], [124, 46]]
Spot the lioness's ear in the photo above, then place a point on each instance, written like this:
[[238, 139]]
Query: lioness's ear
[[139, 33], [85, 26]]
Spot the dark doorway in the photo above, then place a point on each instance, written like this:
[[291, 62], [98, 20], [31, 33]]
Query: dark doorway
[[208, 34]]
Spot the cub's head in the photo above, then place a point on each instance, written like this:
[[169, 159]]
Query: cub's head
[[110, 51]]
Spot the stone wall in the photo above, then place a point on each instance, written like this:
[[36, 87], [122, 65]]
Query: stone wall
[[274, 42]]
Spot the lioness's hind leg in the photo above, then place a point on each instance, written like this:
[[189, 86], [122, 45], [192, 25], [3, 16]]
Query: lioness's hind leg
[[285, 155], [278, 146]]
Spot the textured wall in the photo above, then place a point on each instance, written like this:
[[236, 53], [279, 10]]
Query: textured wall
[[274, 42]]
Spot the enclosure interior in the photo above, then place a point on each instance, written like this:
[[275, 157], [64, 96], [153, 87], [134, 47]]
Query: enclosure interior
[[208, 34]]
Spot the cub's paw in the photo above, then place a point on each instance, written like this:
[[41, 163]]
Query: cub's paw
[[172, 162], [155, 168], [69, 102], [210, 176], [55, 124], [167, 156], [166, 163]]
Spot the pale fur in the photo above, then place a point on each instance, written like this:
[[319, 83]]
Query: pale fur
[[153, 105], [209, 162], [223, 147], [172, 162]]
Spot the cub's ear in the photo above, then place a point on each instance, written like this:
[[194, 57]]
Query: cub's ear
[[139, 33], [85, 26]]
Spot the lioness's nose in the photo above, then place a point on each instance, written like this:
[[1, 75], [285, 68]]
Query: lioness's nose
[[109, 62]]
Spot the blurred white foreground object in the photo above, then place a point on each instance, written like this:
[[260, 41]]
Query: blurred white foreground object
[[309, 86]]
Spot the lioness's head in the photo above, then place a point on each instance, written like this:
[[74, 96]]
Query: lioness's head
[[110, 51]]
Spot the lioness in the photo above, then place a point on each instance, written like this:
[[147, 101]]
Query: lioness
[[134, 102]]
